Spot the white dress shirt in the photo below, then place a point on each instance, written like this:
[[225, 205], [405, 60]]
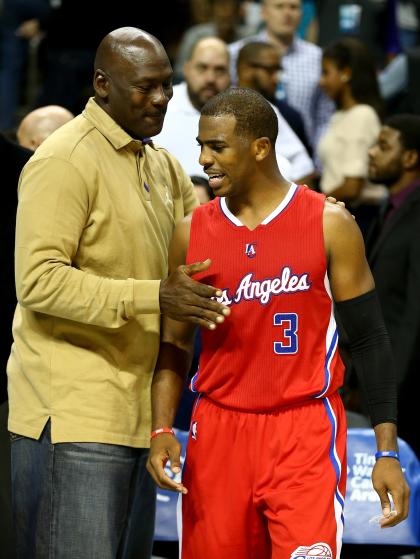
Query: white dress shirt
[[180, 131]]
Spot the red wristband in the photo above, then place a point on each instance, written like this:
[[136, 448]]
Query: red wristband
[[160, 431]]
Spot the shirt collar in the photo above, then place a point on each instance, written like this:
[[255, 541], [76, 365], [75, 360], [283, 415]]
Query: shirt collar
[[111, 130], [399, 198], [263, 35]]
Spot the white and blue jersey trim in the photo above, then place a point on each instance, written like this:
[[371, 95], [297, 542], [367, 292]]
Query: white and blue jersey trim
[[331, 342], [338, 497], [281, 207]]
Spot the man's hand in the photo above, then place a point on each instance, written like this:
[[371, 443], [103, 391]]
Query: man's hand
[[164, 448], [335, 201], [388, 478], [184, 299]]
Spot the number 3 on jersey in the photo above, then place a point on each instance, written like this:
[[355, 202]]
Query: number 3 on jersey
[[288, 322]]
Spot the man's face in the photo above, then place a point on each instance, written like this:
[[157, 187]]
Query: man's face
[[226, 157], [138, 92], [386, 157], [206, 74], [282, 17], [264, 72]]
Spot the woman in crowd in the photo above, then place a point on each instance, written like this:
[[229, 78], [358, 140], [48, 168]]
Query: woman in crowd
[[349, 79]]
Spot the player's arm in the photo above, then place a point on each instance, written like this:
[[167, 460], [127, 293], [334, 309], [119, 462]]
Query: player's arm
[[353, 291], [173, 364]]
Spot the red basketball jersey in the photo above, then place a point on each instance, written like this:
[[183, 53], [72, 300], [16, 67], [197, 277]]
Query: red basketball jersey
[[279, 345]]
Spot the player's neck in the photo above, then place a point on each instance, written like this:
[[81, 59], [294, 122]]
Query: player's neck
[[254, 206]]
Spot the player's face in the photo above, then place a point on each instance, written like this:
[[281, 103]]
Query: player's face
[[226, 157], [386, 157], [282, 17]]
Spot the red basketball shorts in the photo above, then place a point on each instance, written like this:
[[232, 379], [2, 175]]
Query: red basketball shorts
[[265, 485]]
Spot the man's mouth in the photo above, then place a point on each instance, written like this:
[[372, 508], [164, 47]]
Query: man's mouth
[[215, 180]]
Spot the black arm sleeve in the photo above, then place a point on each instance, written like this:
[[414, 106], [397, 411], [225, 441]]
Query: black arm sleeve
[[371, 354]]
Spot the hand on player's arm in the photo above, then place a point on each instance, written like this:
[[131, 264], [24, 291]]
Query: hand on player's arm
[[350, 277], [387, 478], [183, 298]]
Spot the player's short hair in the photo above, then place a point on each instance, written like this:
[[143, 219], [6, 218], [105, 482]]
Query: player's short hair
[[255, 117], [408, 126]]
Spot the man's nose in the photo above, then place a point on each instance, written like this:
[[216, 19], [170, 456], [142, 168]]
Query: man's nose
[[205, 158]]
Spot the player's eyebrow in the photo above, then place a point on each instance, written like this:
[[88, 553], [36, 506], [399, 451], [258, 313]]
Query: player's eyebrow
[[211, 141]]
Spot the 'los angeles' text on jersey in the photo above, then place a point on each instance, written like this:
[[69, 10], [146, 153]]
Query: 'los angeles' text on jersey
[[278, 347]]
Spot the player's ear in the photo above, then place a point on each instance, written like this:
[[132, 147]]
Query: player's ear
[[261, 147]]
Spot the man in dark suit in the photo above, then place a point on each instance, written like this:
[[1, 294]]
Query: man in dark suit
[[13, 158], [393, 249]]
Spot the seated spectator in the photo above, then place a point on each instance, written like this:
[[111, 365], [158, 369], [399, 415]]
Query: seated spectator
[[37, 125], [349, 79], [225, 23]]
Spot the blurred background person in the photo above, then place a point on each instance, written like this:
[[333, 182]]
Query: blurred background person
[[20, 24], [301, 62], [349, 79], [206, 74], [257, 68], [37, 125], [13, 158], [202, 189], [226, 22], [393, 251]]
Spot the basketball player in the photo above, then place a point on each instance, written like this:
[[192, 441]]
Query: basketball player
[[266, 460]]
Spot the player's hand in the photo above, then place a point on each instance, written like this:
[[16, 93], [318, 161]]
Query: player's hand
[[388, 478], [187, 300], [164, 448]]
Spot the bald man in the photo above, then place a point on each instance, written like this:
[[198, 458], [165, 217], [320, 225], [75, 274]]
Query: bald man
[[37, 125], [97, 206]]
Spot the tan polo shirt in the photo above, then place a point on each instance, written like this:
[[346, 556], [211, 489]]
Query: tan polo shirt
[[95, 216]]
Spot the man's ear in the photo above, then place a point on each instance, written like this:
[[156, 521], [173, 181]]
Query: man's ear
[[410, 159], [101, 83], [261, 147], [244, 72]]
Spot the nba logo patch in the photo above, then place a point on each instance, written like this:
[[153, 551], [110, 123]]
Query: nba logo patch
[[194, 430], [320, 549], [250, 250]]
